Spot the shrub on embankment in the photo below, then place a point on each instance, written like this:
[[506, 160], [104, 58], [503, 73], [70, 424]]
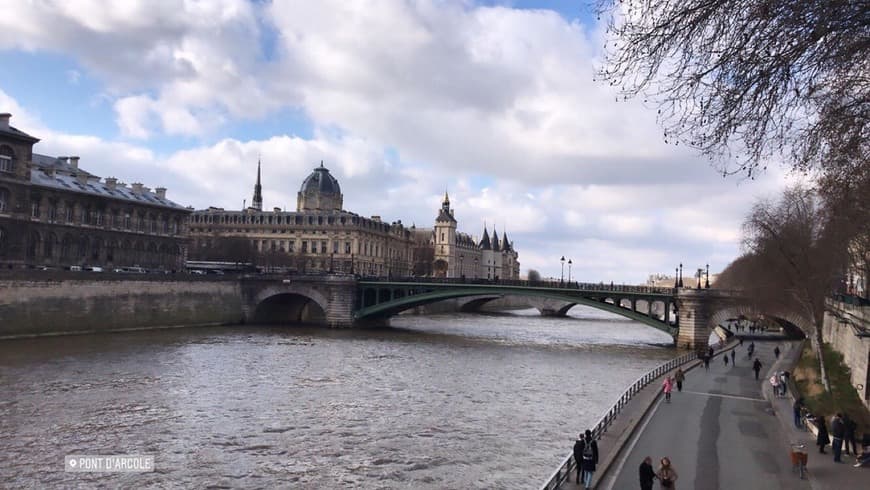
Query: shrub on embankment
[[842, 398]]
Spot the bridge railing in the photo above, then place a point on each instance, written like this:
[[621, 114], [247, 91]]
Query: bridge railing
[[584, 286], [568, 464]]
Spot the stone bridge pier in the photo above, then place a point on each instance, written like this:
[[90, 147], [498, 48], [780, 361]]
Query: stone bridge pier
[[321, 299], [696, 309]]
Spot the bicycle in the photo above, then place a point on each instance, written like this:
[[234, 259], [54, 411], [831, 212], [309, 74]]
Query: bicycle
[[798, 455]]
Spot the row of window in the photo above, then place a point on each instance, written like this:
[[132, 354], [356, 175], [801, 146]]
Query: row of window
[[268, 219], [129, 220]]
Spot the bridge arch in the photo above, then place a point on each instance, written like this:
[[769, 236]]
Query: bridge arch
[[289, 304], [793, 324]]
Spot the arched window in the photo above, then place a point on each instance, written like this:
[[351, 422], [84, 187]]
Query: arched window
[[33, 245], [66, 248], [84, 245], [4, 200], [7, 159]]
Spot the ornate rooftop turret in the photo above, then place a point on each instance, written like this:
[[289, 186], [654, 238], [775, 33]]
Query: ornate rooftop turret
[[495, 245], [446, 214]]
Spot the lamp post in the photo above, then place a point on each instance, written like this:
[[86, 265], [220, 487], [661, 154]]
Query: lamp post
[[680, 284], [700, 271], [676, 277], [569, 270], [707, 280], [563, 270]]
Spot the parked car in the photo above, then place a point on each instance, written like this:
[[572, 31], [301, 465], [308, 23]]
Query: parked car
[[94, 269]]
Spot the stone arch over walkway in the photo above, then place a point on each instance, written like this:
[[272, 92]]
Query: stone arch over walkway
[[792, 320]]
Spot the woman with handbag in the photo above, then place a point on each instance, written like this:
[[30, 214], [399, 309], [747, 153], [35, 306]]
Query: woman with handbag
[[667, 475]]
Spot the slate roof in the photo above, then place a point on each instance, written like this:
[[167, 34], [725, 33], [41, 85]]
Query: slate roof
[[64, 180]]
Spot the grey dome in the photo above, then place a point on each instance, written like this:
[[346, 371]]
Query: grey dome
[[321, 182], [319, 191]]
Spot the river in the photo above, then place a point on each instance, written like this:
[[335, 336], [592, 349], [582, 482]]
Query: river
[[438, 401]]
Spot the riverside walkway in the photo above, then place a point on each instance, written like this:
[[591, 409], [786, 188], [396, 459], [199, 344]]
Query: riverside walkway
[[724, 430]]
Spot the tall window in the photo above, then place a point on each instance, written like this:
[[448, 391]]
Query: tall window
[[52, 212], [7, 159], [34, 209], [304, 247], [70, 212], [323, 247], [4, 200], [127, 221]]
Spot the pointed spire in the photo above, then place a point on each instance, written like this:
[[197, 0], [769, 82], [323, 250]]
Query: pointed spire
[[495, 245], [257, 201], [485, 244]]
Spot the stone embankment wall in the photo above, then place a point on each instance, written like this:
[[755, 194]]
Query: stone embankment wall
[[847, 328], [72, 302]]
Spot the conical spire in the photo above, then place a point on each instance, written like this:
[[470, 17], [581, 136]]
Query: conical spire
[[495, 245], [485, 244], [257, 201]]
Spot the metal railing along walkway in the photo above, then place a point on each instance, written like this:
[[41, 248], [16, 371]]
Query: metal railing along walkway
[[568, 464]]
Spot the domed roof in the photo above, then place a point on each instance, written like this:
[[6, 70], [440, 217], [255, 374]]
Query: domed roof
[[320, 181]]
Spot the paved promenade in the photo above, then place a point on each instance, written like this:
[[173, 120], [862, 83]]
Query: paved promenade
[[725, 430]]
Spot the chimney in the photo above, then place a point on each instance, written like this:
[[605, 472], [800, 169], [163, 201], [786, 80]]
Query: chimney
[[74, 161], [82, 178], [137, 188], [4, 121], [161, 192], [111, 183]]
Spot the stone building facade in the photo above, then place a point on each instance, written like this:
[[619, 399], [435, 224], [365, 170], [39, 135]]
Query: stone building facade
[[321, 236], [55, 214], [318, 236], [457, 254]]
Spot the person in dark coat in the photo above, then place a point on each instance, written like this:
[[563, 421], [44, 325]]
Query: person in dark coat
[[589, 454], [647, 474], [756, 366], [578, 455], [838, 431], [822, 438], [849, 435]]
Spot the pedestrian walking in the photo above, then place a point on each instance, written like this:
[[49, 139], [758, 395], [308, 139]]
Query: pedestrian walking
[[726, 359], [667, 386], [647, 474], [578, 455], [776, 352], [589, 453], [838, 430], [707, 363], [849, 436], [822, 438], [733, 358], [667, 474], [741, 340], [756, 366], [679, 376], [798, 408], [783, 383], [774, 381], [710, 352]]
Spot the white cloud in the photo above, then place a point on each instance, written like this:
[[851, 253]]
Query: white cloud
[[496, 104]]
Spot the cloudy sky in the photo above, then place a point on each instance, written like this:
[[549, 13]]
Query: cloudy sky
[[493, 101]]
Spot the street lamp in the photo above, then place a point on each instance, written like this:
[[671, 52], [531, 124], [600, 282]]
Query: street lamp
[[563, 270], [707, 281], [676, 277], [700, 271], [681, 276], [569, 270]]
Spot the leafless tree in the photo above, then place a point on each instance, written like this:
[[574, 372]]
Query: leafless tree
[[795, 252], [746, 80], [534, 275]]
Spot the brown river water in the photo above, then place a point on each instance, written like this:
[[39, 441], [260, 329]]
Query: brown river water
[[438, 401]]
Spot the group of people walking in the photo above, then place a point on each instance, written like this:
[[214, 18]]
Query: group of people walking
[[666, 474]]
